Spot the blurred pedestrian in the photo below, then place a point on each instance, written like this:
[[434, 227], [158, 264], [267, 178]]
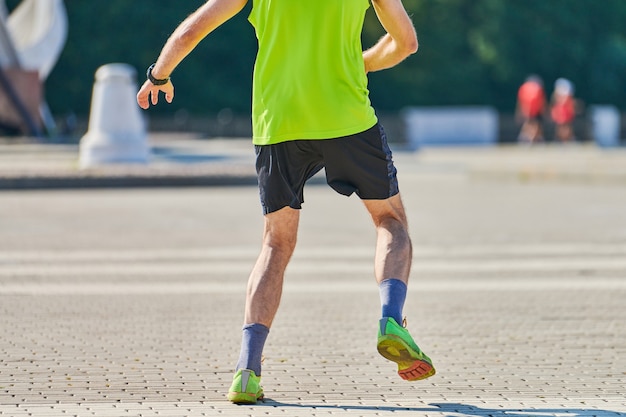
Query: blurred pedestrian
[[531, 103], [563, 109], [311, 110]]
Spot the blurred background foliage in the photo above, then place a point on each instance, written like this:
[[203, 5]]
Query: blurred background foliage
[[471, 52]]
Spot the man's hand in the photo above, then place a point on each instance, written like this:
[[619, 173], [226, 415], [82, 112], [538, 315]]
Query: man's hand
[[149, 93]]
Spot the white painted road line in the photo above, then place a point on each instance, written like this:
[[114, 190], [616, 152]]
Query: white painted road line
[[298, 266], [367, 286], [244, 252]]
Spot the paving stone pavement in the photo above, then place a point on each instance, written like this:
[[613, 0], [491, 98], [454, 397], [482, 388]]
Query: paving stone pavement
[[129, 302]]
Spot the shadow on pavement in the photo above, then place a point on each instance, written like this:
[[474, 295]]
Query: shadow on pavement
[[457, 409]]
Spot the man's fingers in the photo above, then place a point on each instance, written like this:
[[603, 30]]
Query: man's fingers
[[168, 90], [142, 102], [142, 97], [149, 94]]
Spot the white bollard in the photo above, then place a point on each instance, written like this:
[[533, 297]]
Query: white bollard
[[117, 132]]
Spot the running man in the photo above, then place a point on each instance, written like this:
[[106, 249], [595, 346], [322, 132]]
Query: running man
[[311, 110]]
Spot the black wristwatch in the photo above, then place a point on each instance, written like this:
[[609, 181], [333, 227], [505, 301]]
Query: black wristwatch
[[154, 80]]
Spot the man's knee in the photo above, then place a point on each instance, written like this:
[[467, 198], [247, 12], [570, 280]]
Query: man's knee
[[284, 243], [387, 212], [281, 229]]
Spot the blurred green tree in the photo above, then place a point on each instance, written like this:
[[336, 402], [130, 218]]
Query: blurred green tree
[[471, 52]]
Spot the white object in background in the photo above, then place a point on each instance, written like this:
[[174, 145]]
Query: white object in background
[[38, 30], [606, 125], [117, 132], [451, 126]]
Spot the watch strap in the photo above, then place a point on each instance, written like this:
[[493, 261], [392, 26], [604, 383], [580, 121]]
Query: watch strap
[[153, 80]]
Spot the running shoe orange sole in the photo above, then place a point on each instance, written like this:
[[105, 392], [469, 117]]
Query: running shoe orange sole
[[410, 368]]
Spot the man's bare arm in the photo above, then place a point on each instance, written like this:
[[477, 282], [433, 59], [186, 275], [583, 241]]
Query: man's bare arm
[[398, 43], [183, 40]]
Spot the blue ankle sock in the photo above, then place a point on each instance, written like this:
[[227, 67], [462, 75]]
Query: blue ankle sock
[[252, 343], [392, 296]]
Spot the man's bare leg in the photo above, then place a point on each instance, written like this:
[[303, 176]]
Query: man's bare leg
[[266, 280], [392, 266], [266, 283], [393, 245]]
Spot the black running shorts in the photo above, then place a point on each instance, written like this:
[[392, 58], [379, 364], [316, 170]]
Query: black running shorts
[[359, 163]]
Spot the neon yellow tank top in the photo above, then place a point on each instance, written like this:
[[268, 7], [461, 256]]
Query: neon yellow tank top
[[309, 78]]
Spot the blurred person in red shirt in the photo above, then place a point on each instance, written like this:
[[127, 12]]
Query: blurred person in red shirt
[[531, 103], [563, 110]]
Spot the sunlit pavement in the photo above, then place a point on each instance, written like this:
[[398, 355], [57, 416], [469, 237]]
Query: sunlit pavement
[[129, 301]]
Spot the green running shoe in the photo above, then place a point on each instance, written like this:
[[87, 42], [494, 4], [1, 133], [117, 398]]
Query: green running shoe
[[246, 388], [396, 344]]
